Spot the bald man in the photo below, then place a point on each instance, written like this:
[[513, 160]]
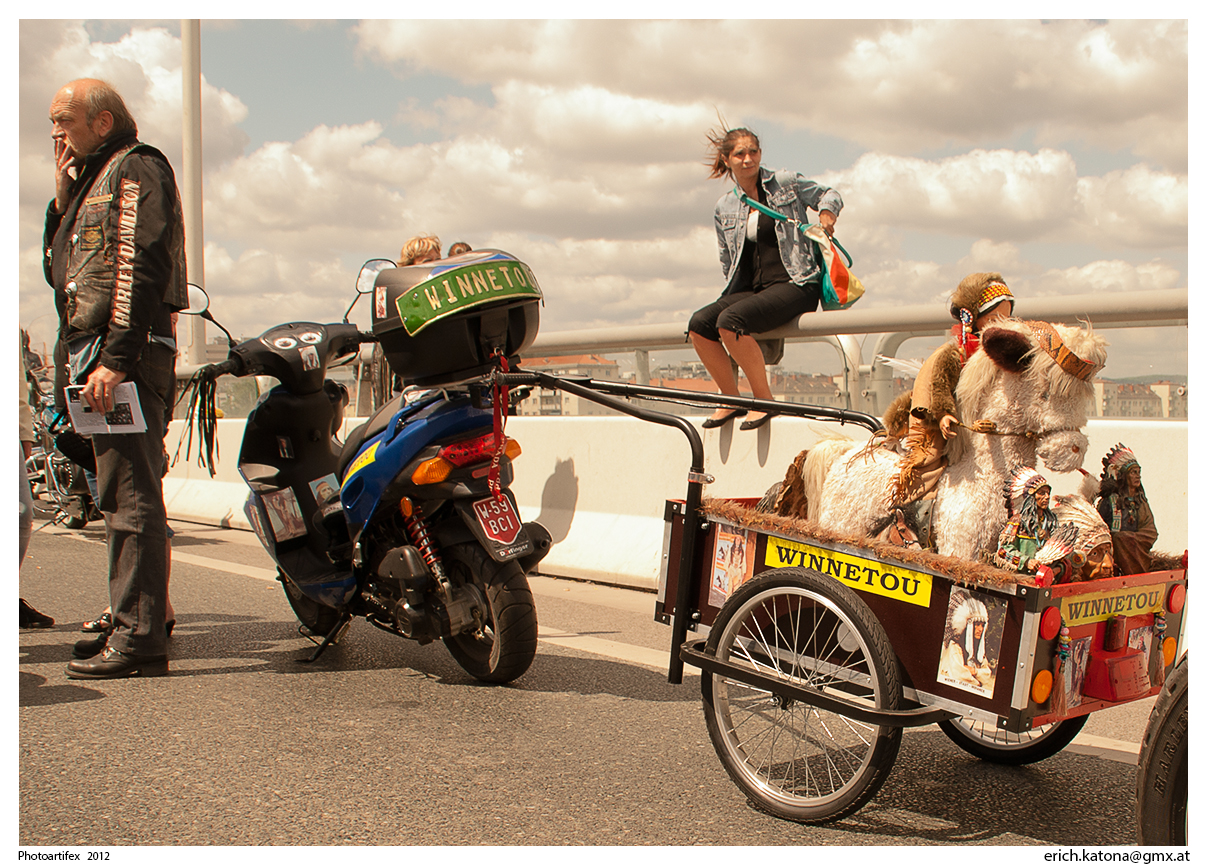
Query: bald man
[[114, 244]]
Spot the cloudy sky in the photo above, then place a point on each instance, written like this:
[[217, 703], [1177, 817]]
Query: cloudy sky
[[1054, 152]]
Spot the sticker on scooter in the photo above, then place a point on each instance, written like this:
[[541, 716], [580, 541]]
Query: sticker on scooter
[[498, 519], [284, 514], [310, 358], [326, 493]]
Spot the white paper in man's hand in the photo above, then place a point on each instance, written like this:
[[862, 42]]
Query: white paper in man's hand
[[126, 417]]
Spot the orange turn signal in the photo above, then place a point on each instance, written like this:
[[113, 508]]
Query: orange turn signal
[[1042, 686], [1169, 647], [432, 471]]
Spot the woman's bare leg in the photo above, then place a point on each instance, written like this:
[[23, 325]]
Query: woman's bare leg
[[717, 362], [746, 353]]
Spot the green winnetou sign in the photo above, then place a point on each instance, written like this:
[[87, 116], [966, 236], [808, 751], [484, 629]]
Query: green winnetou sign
[[457, 289]]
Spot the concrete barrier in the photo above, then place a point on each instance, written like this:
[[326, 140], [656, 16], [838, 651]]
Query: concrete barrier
[[599, 483]]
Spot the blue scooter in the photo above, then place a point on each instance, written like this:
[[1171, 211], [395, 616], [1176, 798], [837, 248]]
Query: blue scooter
[[409, 522]]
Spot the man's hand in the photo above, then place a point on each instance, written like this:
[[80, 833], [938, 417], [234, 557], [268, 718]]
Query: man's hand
[[827, 220], [66, 170], [98, 390]]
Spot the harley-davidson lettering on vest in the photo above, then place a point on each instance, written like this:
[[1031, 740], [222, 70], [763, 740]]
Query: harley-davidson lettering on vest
[[100, 263]]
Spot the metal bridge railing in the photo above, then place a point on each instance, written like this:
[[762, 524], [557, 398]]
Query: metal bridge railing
[[867, 387]]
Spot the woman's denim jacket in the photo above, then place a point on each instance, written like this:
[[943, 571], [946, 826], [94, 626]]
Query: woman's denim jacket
[[789, 193]]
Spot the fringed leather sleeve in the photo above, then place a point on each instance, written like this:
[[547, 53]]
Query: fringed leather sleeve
[[935, 387]]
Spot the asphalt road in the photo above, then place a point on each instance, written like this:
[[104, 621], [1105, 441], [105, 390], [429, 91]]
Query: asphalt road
[[384, 742]]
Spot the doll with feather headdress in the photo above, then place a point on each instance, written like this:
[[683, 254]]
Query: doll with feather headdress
[[1125, 509], [1093, 556], [1032, 541]]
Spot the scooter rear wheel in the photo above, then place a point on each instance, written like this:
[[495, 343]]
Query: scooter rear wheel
[[506, 644]]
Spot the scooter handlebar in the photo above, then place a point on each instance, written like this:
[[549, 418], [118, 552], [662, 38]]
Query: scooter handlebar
[[231, 366]]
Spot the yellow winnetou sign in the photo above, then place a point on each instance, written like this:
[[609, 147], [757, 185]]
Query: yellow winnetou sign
[[1120, 602], [865, 575]]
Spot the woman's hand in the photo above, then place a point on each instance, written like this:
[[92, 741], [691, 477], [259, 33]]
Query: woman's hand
[[827, 220]]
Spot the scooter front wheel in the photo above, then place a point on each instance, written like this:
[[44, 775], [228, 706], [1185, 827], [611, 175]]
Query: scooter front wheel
[[506, 643], [318, 618]]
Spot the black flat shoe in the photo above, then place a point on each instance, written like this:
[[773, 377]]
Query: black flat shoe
[[103, 623], [710, 423], [756, 424], [114, 665], [32, 618], [89, 647]]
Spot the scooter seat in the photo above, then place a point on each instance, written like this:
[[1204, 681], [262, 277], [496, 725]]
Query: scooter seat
[[375, 425]]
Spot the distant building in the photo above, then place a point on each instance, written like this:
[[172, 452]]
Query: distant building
[[1130, 401], [217, 350], [1173, 396], [810, 389], [680, 370], [546, 402], [1160, 399]]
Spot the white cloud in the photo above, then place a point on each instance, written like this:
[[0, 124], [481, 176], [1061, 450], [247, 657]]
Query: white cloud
[[587, 161], [1102, 276], [897, 85], [1017, 196], [145, 68]]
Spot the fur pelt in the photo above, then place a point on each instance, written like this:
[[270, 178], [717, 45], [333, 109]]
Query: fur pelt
[[789, 499], [961, 570], [931, 396], [897, 417], [1012, 383]]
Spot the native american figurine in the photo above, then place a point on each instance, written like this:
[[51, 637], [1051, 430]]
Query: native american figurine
[[1125, 509], [1025, 392], [1032, 541], [1093, 557], [924, 419]]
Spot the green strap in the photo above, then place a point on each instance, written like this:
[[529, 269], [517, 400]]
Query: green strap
[[777, 215], [763, 209]]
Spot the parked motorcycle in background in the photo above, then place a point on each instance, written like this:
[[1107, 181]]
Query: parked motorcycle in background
[[409, 522], [57, 466]]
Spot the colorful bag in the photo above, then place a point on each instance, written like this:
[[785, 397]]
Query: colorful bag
[[840, 287]]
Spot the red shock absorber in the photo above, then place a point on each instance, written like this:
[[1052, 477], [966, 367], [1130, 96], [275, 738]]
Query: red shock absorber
[[418, 530]]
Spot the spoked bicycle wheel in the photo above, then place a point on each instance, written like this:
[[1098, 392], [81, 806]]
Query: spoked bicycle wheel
[[990, 743], [794, 760]]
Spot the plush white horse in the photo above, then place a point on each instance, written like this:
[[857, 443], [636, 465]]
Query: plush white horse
[[1032, 381]]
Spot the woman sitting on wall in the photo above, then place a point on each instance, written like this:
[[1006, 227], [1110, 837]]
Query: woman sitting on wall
[[773, 272]]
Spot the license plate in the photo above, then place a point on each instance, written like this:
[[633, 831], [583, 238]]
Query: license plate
[[498, 519]]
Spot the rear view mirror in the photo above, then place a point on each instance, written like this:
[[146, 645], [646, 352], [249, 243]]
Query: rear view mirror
[[369, 272], [199, 301]]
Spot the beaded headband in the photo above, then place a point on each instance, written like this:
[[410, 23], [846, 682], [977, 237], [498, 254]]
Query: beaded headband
[[993, 295]]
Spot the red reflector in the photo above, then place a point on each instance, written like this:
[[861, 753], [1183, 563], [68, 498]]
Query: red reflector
[[1176, 598], [1050, 623], [470, 450]]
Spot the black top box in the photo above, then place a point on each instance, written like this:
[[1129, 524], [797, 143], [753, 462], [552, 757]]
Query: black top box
[[443, 322]]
